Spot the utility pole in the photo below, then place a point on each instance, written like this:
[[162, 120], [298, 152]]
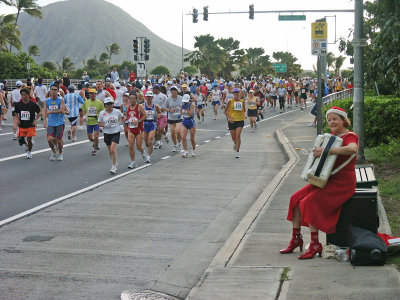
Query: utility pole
[[359, 42]]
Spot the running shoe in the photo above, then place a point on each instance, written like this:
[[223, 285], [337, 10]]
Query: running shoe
[[53, 157], [94, 152], [180, 147], [148, 159], [194, 153], [144, 156], [69, 134], [175, 149], [60, 157], [157, 145], [185, 154], [14, 136], [132, 165], [237, 155], [74, 139], [28, 155], [215, 117], [113, 170]]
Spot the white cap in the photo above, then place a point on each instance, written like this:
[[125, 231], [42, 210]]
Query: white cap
[[117, 85], [149, 94], [185, 98], [18, 83], [108, 100]]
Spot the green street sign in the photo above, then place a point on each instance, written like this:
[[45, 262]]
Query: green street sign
[[291, 17], [280, 68]]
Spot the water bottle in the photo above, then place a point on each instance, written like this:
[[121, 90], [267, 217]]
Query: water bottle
[[342, 255]]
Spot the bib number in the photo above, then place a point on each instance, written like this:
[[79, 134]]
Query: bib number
[[237, 106], [185, 113], [150, 114], [25, 115], [53, 107], [112, 122], [92, 112], [131, 124]]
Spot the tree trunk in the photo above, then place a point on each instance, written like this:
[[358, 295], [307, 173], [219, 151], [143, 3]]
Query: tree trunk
[[15, 25]]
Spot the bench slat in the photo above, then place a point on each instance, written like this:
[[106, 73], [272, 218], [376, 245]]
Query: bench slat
[[358, 178], [362, 175], [370, 174]]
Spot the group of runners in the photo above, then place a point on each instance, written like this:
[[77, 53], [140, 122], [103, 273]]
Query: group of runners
[[152, 113]]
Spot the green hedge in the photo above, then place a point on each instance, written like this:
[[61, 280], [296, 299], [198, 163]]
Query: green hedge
[[381, 117]]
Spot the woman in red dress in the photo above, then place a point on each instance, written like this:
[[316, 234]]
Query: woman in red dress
[[317, 208]]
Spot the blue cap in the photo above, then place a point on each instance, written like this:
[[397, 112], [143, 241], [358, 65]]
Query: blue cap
[[236, 90]]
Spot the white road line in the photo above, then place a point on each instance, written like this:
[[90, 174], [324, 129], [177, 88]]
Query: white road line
[[207, 141], [270, 118], [60, 199], [45, 150], [165, 157], [9, 133], [217, 137], [227, 133]]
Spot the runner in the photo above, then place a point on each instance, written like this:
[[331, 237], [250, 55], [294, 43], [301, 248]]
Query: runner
[[303, 96], [289, 94], [199, 100], [136, 115], [259, 96], [252, 110], [227, 94], [235, 111], [296, 93], [91, 109], [27, 113], [215, 96], [110, 119], [53, 121], [188, 124], [153, 112], [124, 108], [173, 105], [15, 98], [161, 100], [72, 102], [282, 94]]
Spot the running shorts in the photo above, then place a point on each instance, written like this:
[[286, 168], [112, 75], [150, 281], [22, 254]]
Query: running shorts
[[30, 131], [235, 124], [91, 128], [111, 138], [136, 131], [162, 121], [73, 121], [188, 123], [55, 131], [201, 106], [174, 121], [149, 126], [216, 103], [252, 112]]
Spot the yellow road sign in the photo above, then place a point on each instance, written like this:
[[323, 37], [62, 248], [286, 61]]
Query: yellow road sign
[[319, 30]]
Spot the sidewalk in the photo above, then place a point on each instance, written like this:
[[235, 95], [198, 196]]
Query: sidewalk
[[256, 266]]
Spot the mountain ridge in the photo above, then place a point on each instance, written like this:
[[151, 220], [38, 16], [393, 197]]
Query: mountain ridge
[[82, 29]]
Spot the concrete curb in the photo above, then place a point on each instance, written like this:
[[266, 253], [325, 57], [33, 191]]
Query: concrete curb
[[384, 222], [234, 241]]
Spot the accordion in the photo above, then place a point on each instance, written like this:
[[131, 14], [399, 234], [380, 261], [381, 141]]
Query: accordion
[[318, 169]]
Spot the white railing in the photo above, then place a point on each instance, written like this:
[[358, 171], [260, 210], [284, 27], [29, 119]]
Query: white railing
[[46, 82], [337, 96]]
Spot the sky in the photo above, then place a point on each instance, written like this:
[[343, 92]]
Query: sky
[[164, 18]]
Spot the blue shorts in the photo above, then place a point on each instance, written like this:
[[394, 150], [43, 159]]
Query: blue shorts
[[200, 106], [188, 123], [149, 126], [216, 103], [91, 128]]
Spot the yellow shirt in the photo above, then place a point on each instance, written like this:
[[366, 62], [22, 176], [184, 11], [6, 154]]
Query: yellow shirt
[[236, 110], [252, 103]]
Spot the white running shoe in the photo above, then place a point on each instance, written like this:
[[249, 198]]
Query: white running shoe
[[113, 170], [215, 117], [60, 157], [132, 165], [194, 153], [157, 145], [148, 159], [28, 155], [14, 136], [185, 154], [74, 139], [180, 147], [237, 155], [53, 157], [175, 149]]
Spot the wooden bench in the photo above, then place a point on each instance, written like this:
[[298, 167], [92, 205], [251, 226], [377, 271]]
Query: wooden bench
[[365, 176]]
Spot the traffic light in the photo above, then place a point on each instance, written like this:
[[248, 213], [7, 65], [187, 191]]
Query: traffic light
[[251, 12], [146, 57], [135, 46], [195, 15], [136, 57], [146, 45], [205, 13]]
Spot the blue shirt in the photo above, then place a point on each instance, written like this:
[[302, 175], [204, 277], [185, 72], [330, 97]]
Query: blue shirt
[[72, 101], [54, 119]]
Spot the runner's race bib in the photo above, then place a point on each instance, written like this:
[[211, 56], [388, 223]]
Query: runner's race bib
[[53, 107], [237, 105], [175, 110], [112, 122], [25, 115], [185, 113], [92, 112], [131, 124], [150, 114]]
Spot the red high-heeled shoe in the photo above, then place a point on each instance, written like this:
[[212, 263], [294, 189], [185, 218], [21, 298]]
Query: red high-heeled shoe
[[295, 242], [312, 250]]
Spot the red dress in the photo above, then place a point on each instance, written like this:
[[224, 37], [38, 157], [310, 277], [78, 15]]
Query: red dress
[[322, 207]]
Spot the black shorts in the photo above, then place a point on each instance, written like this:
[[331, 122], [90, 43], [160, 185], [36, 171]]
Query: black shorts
[[274, 97], [303, 96], [235, 124], [252, 112], [174, 121], [289, 92], [111, 138], [296, 94], [73, 121]]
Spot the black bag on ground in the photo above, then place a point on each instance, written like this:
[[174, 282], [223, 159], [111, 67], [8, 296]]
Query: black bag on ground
[[366, 248]]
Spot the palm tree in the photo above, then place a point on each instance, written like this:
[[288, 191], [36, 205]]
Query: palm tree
[[28, 6], [330, 59], [33, 50], [104, 57], [9, 35], [114, 48], [66, 66], [338, 64]]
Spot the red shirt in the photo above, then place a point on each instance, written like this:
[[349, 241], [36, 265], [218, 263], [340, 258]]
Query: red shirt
[[204, 90], [112, 93], [132, 77]]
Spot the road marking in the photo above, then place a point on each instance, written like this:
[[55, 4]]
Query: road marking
[[9, 133], [207, 141], [60, 199], [197, 129], [217, 137], [45, 150], [165, 157], [271, 118], [227, 133]]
